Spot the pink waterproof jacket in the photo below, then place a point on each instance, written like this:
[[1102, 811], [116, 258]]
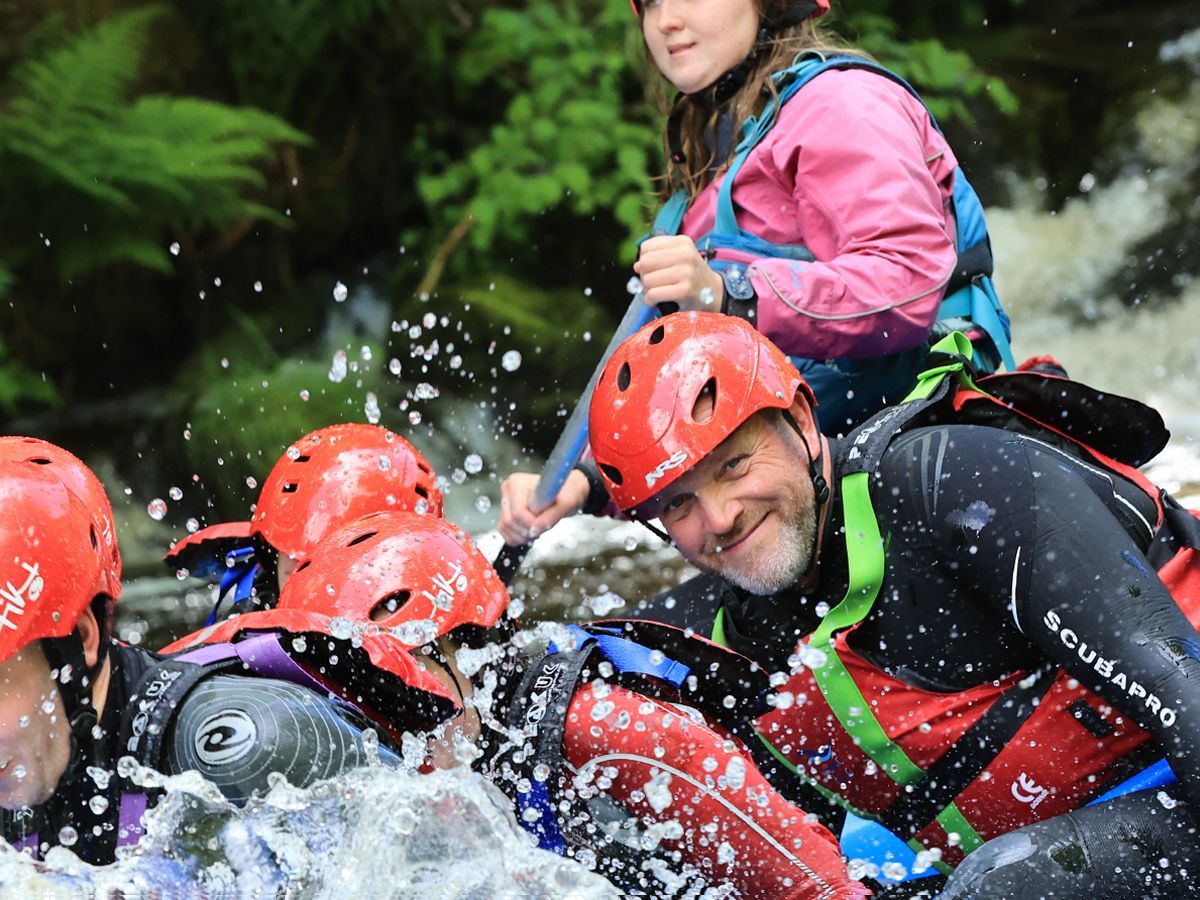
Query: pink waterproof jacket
[[855, 170]]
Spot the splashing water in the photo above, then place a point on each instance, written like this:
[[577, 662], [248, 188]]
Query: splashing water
[[368, 833]]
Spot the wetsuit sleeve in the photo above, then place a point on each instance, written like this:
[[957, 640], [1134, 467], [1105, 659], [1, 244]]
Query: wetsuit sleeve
[[236, 731], [1042, 542], [688, 785], [864, 164]]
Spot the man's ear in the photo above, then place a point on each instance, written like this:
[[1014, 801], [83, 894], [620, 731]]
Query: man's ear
[[89, 633], [806, 418]]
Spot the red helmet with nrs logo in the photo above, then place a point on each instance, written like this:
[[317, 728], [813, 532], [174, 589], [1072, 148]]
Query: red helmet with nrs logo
[[53, 561], [80, 481], [644, 424]]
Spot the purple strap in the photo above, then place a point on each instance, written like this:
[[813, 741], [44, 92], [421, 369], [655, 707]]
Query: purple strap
[[129, 827], [30, 842], [262, 655]]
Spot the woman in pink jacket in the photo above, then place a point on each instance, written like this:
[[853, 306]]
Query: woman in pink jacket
[[810, 191]]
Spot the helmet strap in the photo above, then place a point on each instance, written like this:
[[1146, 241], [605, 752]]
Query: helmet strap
[[820, 485]]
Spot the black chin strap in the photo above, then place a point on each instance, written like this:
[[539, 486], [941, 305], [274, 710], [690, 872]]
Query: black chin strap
[[75, 679], [820, 485], [731, 82]]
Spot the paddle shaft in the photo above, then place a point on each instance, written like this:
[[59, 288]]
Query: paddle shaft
[[573, 440]]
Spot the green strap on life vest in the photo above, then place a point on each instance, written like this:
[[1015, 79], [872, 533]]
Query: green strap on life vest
[[865, 553]]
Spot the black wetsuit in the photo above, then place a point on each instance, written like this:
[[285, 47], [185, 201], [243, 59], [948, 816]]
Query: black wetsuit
[[1004, 553], [234, 730]]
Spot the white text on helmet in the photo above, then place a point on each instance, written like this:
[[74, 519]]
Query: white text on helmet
[[674, 461], [15, 598], [447, 586]]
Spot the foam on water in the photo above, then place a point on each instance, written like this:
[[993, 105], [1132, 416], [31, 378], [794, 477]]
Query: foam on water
[[369, 833]]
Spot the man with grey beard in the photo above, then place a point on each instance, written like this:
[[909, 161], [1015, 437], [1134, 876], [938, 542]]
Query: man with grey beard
[[966, 624]]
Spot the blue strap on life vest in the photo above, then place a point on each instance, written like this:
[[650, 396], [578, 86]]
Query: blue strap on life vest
[[240, 571], [628, 656]]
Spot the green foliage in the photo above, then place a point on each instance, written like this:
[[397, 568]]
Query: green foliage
[[570, 134], [948, 79], [274, 45], [19, 387], [101, 177]]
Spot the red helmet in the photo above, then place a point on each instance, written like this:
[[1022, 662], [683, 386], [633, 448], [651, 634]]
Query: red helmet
[[53, 561], [324, 480], [640, 423], [400, 577], [80, 481], [820, 7]]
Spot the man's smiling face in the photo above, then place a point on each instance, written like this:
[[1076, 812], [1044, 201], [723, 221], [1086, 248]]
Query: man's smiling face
[[747, 511]]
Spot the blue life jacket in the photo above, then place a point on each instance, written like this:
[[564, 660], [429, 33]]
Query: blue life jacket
[[849, 390]]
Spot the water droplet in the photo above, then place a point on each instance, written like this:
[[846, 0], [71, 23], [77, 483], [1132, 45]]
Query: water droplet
[[175, 493], [258, 287], [293, 453], [511, 360], [541, 772], [414, 418], [98, 804], [455, 361], [735, 773], [394, 366], [340, 292], [429, 320], [631, 543], [337, 370], [633, 285], [299, 644], [341, 628], [458, 476], [157, 509], [416, 633], [48, 707], [371, 408], [414, 332], [174, 248], [421, 506], [251, 482], [483, 503], [67, 836], [425, 391], [473, 464]]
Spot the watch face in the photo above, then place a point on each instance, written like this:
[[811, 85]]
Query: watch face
[[737, 285]]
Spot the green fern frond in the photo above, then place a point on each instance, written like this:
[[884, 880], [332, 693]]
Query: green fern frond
[[74, 147]]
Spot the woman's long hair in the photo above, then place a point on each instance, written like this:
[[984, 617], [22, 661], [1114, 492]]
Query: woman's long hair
[[700, 116]]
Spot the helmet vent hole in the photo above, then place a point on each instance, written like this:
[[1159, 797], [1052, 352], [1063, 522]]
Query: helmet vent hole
[[389, 606], [624, 376], [40, 460], [304, 565], [303, 457], [95, 540], [657, 335], [362, 537], [424, 467], [706, 402], [613, 473], [291, 487], [420, 491]]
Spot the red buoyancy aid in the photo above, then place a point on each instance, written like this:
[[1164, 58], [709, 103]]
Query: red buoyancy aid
[[866, 744]]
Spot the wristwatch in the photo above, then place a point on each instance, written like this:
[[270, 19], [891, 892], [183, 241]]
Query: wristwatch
[[740, 299]]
